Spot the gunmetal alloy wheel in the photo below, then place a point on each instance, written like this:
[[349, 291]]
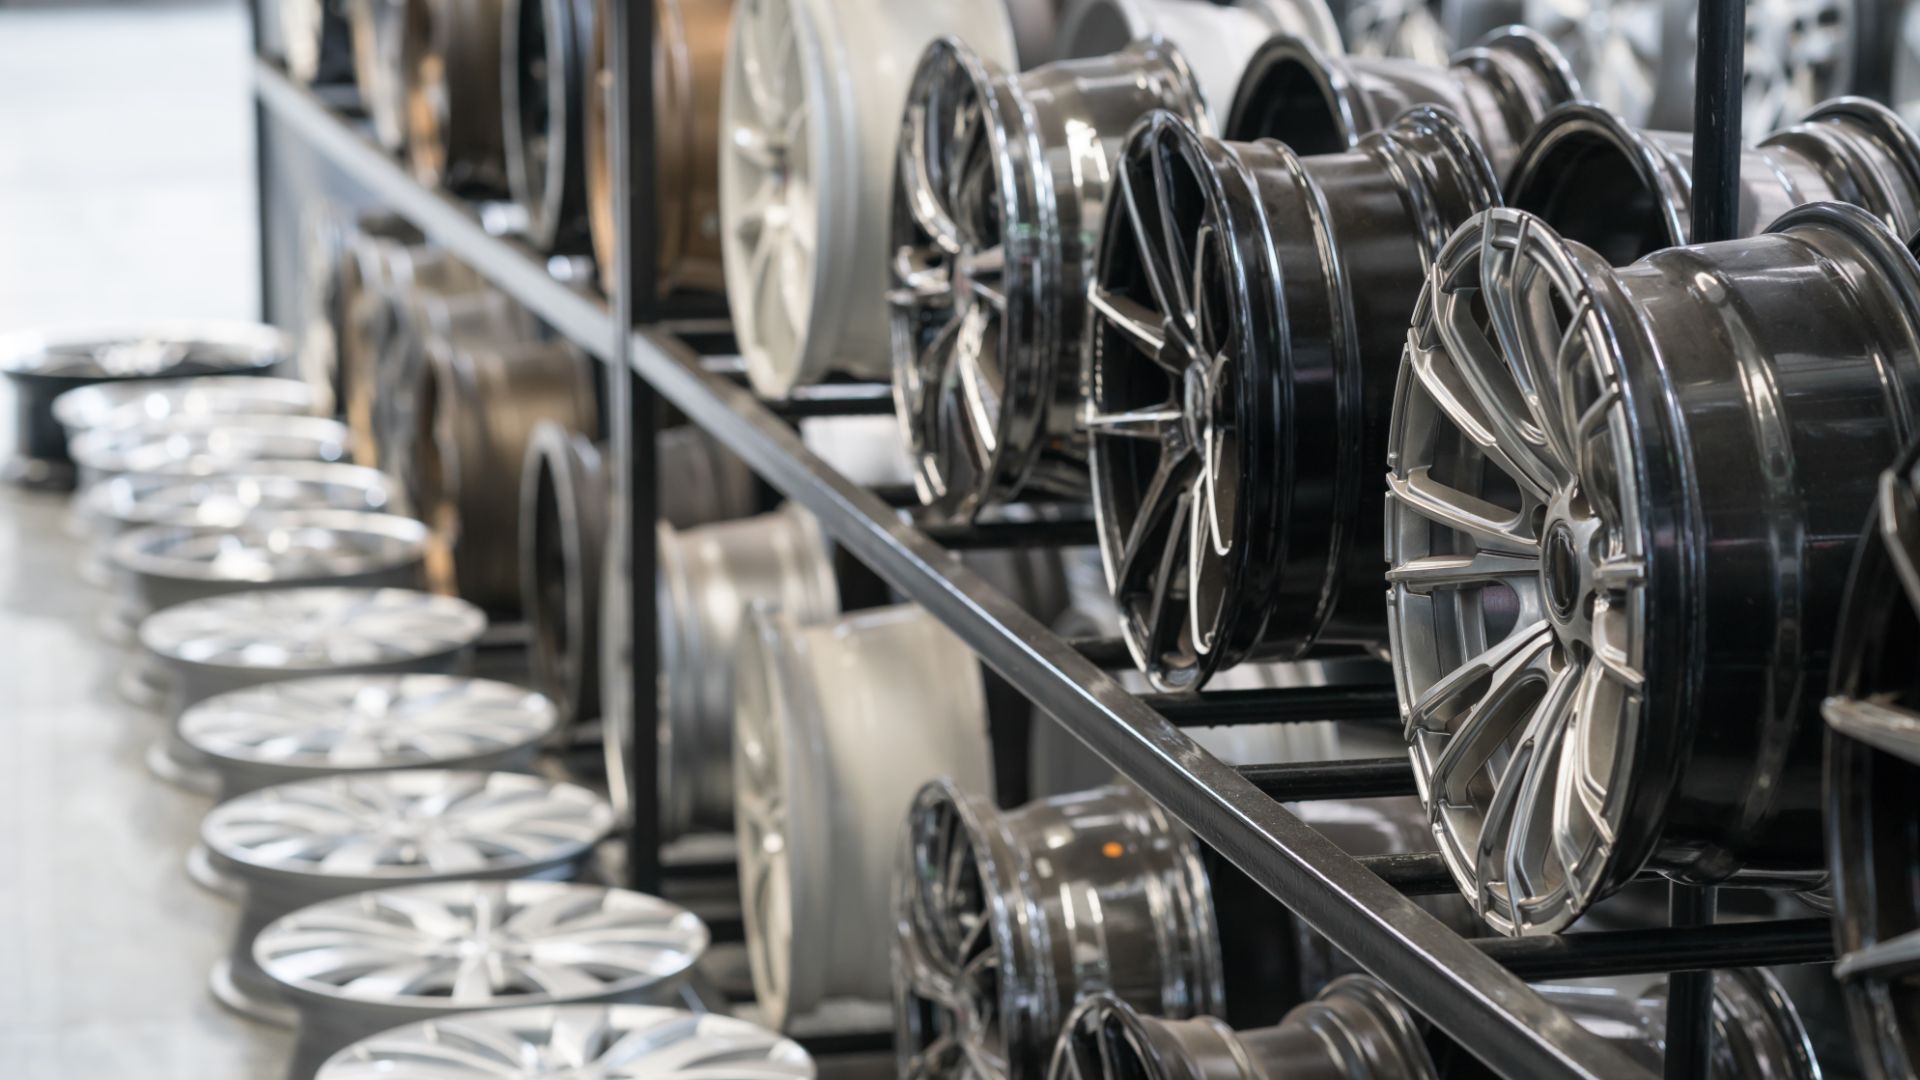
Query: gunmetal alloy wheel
[[810, 118], [202, 445], [1873, 761], [128, 404], [315, 41], [993, 245], [354, 966], [1585, 692], [823, 773], [707, 579], [377, 28], [607, 1042], [450, 61], [1004, 920], [42, 365], [300, 729], [1355, 1029], [302, 842], [545, 47], [1322, 103], [1235, 425], [1626, 193], [223, 643]]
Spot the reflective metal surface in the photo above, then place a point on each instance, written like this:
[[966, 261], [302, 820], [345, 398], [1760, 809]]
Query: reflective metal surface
[[450, 59], [1001, 185], [202, 445], [606, 1042], [1757, 1033], [1321, 103], [1625, 193], [1231, 515], [810, 115], [1565, 441], [823, 772], [1005, 919], [126, 404], [544, 83]]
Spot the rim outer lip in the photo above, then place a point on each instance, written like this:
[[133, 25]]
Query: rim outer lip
[[1663, 176]]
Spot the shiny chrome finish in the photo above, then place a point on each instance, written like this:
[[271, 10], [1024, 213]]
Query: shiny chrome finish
[[1873, 763], [708, 577], [1005, 920], [300, 729], [203, 445], [1245, 328], [314, 37], [1217, 39], [1002, 182], [823, 772], [129, 404], [1626, 193], [810, 118], [378, 29], [450, 59], [1322, 103], [607, 1042], [358, 965], [1565, 442], [40, 366], [544, 83]]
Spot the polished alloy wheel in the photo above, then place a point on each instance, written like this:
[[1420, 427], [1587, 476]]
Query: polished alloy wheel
[[1560, 453], [992, 250], [201, 445], [1230, 515], [357, 965], [1626, 193], [606, 1042], [1005, 919], [823, 772], [545, 46], [128, 404], [810, 116], [450, 64]]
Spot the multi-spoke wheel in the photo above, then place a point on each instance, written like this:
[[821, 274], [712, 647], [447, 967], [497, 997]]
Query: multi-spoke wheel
[[811, 115], [1004, 920], [202, 445], [607, 1042], [1321, 103], [823, 774], [1625, 193], [1873, 762], [1585, 691], [991, 252], [1233, 424]]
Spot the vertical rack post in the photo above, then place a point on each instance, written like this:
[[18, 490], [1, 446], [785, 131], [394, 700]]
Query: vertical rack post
[[1715, 208], [633, 410], [261, 181]]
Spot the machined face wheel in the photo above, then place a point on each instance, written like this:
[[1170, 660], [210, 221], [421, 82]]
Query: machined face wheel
[[608, 1042], [1005, 920], [1537, 567], [126, 404]]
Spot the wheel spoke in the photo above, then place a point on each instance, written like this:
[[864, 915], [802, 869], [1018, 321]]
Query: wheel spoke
[[1430, 572], [1894, 958], [1161, 506], [1146, 330], [1162, 277], [1484, 522], [1439, 376], [1155, 423], [1530, 842], [1484, 728], [1881, 724], [1483, 373], [1455, 693]]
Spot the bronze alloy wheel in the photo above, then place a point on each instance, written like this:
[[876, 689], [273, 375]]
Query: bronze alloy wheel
[[1247, 316], [1618, 525], [450, 54]]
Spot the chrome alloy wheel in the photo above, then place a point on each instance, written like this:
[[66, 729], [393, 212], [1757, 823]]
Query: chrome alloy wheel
[[992, 242], [1004, 920], [823, 772], [1561, 449], [200, 445], [1230, 512], [357, 965], [606, 1042]]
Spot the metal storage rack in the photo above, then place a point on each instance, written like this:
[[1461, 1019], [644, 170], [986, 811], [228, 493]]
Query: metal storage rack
[[1474, 990]]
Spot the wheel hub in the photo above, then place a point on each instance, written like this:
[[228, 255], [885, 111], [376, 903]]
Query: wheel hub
[[1568, 542]]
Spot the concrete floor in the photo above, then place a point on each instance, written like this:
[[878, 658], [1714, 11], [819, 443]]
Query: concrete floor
[[125, 194]]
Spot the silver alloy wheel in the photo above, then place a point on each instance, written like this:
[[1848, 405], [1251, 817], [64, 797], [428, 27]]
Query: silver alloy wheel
[[606, 1042], [356, 965], [296, 843], [1757, 1031], [1402, 29], [126, 404], [1553, 618], [201, 445], [823, 772], [992, 249], [1003, 920]]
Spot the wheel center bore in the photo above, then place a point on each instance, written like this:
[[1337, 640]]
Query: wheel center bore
[[1560, 571], [1196, 393]]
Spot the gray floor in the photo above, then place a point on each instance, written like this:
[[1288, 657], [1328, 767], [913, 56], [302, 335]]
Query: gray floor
[[125, 194]]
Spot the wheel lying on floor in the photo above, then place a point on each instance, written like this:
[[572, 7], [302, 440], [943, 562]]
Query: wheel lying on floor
[[450, 58], [130, 404], [823, 772], [204, 445], [1232, 517], [1626, 193], [41, 366], [1004, 920], [544, 83], [810, 117], [301, 843], [1563, 446], [355, 966], [1873, 761], [616, 1042], [1321, 103], [991, 256]]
